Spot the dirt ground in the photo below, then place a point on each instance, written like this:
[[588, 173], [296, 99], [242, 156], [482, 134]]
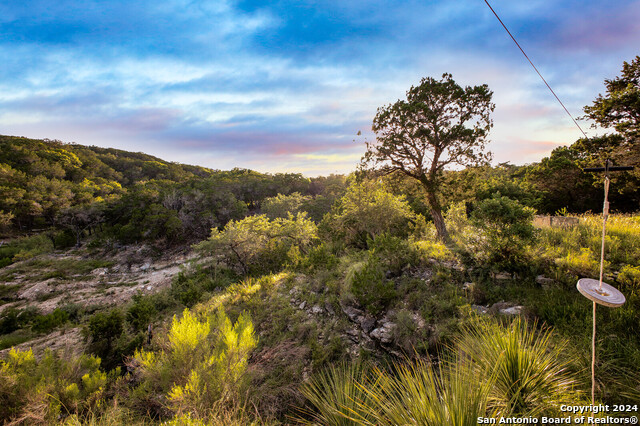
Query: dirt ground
[[132, 272]]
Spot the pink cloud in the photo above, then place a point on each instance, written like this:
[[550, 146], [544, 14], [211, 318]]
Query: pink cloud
[[600, 31]]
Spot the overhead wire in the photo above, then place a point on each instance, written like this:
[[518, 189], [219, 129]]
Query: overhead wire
[[536, 69]]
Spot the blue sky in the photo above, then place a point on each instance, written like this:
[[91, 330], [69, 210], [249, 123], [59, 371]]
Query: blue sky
[[286, 85]]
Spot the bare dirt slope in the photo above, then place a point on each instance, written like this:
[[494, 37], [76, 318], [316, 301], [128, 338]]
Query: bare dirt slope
[[79, 277]]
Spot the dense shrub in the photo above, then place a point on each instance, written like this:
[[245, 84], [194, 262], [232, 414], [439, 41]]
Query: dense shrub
[[187, 288], [319, 257], [46, 323], [108, 339], [370, 287], [282, 205], [13, 319], [395, 254], [630, 277], [24, 248], [202, 365], [366, 211], [505, 230], [45, 391], [257, 245], [193, 282], [141, 312]]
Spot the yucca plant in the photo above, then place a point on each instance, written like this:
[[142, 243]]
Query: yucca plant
[[528, 370], [415, 394], [341, 396], [419, 394]]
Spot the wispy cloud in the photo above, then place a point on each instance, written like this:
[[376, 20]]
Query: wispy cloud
[[285, 85]]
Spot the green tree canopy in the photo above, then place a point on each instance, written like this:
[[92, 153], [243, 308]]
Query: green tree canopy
[[440, 124], [620, 106]]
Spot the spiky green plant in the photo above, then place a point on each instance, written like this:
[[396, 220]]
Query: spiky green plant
[[415, 394], [341, 396], [419, 394], [529, 372]]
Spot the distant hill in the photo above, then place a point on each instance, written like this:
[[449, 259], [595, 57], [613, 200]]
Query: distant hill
[[72, 162], [130, 196]]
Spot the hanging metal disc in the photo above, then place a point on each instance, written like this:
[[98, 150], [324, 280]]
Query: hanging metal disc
[[607, 295]]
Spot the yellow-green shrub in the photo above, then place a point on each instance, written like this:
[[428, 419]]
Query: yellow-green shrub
[[56, 385], [630, 277], [203, 363]]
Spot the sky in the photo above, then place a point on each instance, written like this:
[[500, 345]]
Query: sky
[[285, 86]]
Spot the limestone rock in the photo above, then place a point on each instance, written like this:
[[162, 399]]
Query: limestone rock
[[352, 313], [384, 333], [514, 310], [544, 281]]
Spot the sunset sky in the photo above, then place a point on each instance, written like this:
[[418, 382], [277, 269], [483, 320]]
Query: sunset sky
[[285, 86]]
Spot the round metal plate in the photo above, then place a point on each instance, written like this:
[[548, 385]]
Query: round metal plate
[[607, 296]]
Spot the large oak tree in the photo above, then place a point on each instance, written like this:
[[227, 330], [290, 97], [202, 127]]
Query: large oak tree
[[440, 124]]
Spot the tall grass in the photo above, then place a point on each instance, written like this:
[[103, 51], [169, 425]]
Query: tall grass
[[576, 250]]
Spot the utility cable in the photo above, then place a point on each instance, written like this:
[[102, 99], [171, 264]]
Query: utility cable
[[534, 67]]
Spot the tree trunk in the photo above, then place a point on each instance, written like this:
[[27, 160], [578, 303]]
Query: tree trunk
[[436, 210], [438, 220]]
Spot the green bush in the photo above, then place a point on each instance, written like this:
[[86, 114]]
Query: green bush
[[24, 248], [630, 278], [141, 312], [282, 205], [64, 239], [371, 288], [505, 230], [366, 211], [395, 254], [192, 283], [108, 339], [9, 321], [187, 289], [13, 319], [46, 323], [50, 389], [319, 257], [257, 245]]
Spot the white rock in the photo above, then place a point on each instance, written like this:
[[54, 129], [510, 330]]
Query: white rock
[[514, 310], [384, 333]]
